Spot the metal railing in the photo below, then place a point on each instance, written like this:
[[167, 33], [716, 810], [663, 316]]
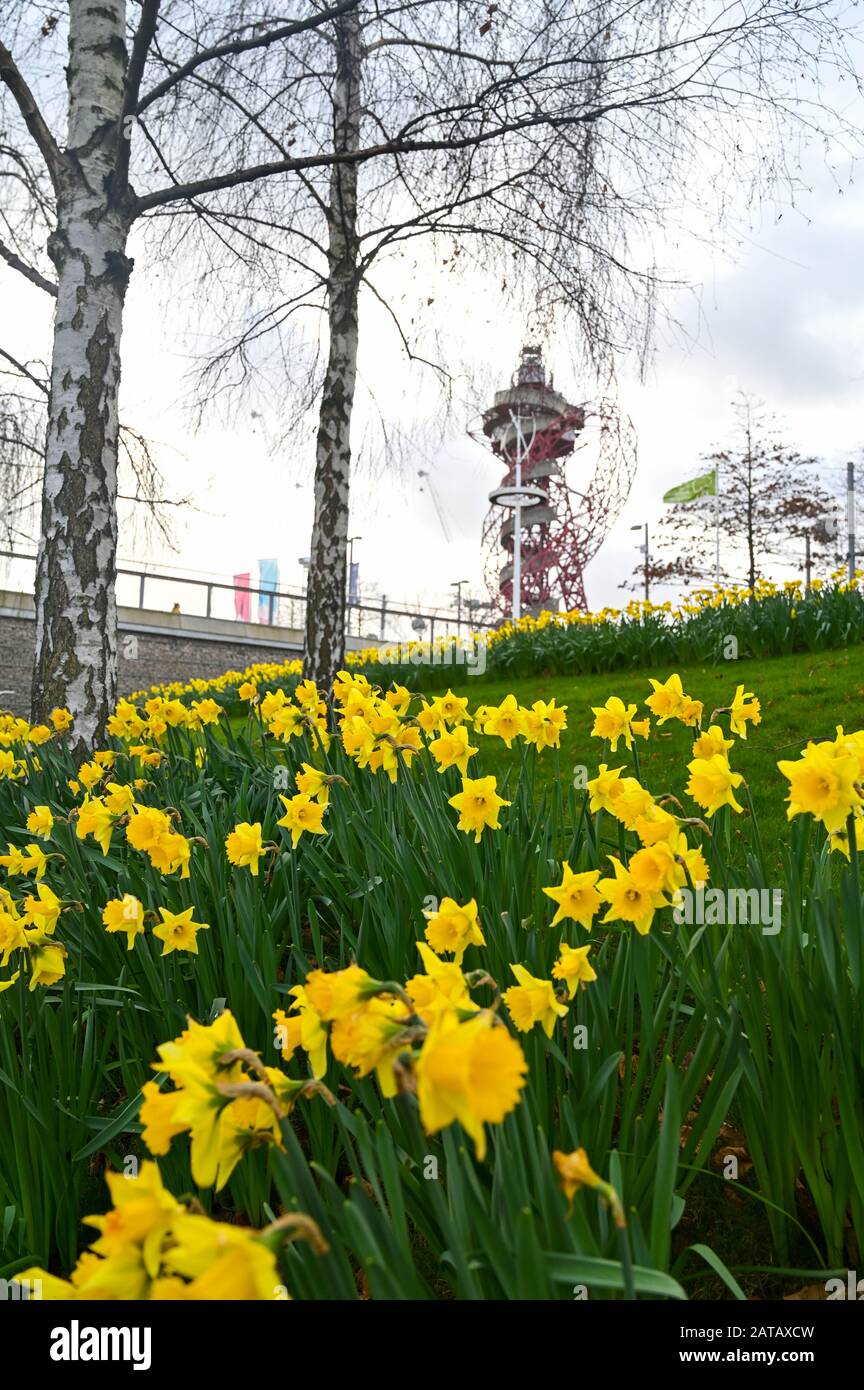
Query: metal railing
[[382, 611]]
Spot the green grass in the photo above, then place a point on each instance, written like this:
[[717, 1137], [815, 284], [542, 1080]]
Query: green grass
[[803, 697]]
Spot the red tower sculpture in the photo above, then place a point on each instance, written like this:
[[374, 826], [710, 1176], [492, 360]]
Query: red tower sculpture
[[533, 429]]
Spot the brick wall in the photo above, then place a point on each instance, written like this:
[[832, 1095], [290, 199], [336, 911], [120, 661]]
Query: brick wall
[[16, 664], [158, 657]]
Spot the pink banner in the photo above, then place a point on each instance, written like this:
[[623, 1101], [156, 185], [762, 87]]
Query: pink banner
[[242, 607]]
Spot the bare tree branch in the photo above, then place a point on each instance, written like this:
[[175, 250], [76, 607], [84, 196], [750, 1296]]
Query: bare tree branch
[[144, 36], [25, 371], [234, 47], [26, 270], [33, 118]]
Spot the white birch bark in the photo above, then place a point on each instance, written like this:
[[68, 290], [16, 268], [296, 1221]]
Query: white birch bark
[[325, 608], [75, 603]]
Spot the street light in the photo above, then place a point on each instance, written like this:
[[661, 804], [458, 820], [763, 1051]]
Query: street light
[[644, 548], [351, 540], [518, 497], [350, 559], [457, 585]]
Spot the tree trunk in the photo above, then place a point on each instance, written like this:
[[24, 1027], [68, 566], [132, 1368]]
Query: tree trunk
[[325, 607], [76, 619]]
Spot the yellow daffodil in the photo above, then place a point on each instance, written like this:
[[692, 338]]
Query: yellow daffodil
[[443, 988], [544, 723], [452, 749], [711, 741], [124, 914], [311, 1034], [90, 774], [506, 721], [243, 846], [170, 853], [313, 783], [43, 911], [470, 1072], [146, 826], [745, 708], [613, 721], [158, 1115], [452, 708], [627, 901], [604, 788], [369, 1038], [178, 932], [822, 783], [303, 816], [632, 802], [576, 896], [478, 805], [653, 868], [573, 967], [334, 993], [667, 698], [712, 783], [574, 1172], [453, 928], [656, 824], [40, 822], [207, 711], [47, 959], [118, 798], [533, 1001], [12, 936]]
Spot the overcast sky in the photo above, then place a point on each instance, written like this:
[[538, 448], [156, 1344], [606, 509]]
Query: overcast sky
[[780, 314]]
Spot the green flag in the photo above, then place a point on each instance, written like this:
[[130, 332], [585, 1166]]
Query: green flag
[[703, 486]]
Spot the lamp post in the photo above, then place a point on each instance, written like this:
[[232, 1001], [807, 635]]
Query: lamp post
[[457, 585], [644, 548], [519, 496], [351, 540], [850, 519]]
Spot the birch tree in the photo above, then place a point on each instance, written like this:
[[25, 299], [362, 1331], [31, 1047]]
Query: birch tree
[[93, 206]]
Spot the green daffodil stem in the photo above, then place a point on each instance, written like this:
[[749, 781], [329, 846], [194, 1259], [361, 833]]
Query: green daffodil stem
[[626, 1262]]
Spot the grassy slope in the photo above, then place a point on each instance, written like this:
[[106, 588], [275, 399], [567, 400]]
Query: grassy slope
[[803, 697]]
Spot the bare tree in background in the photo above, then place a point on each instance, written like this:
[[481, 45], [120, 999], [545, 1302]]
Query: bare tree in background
[[771, 500], [573, 134], [651, 84], [24, 394]]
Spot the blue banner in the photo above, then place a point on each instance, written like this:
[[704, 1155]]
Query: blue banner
[[268, 580]]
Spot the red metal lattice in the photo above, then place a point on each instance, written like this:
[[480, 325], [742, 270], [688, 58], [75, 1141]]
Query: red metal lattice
[[558, 538]]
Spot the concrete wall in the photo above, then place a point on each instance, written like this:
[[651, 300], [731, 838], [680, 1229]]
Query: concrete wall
[[153, 648]]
